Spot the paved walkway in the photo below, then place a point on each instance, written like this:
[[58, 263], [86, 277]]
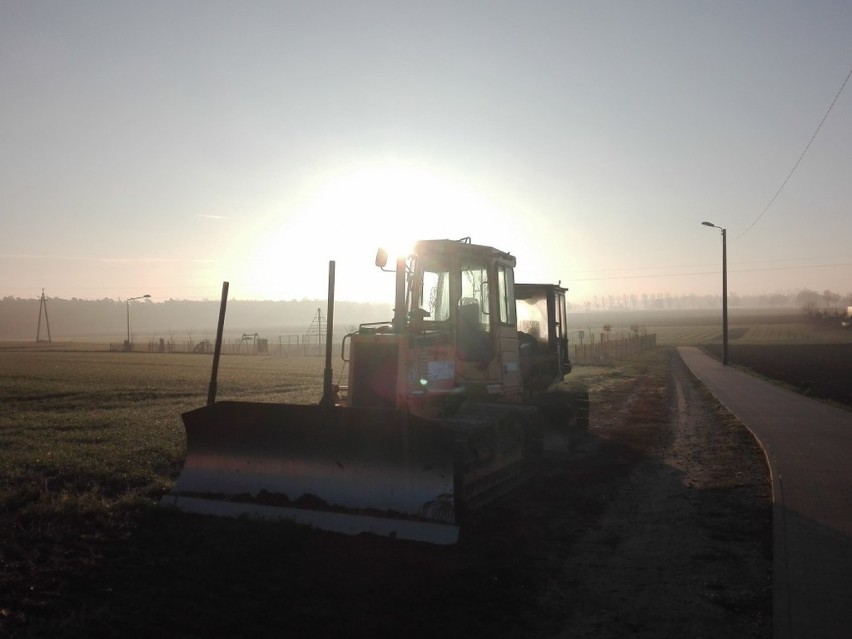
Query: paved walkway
[[809, 448]]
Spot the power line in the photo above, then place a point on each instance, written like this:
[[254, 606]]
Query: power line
[[716, 272], [801, 157], [682, 266]]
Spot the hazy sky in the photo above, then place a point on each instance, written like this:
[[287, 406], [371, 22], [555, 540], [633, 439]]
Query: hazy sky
[[163, 147]]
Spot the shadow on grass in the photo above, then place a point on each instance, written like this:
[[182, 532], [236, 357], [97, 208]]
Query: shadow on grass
[[180, 575]]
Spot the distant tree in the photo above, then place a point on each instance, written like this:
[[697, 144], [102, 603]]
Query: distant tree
[[777, 300], [808, 301], [831, 298]]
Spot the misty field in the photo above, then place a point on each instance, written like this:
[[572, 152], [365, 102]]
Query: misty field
[[697, 327], [89, 442], [746, 327]]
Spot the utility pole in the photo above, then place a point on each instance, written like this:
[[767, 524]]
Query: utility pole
[[42, 307], [724, 290], [128, 346]]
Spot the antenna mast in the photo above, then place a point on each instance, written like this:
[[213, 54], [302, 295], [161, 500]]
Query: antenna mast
[[315, 331]]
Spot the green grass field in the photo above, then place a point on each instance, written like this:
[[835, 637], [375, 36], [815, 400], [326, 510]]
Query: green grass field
[[82, 429], [89, 442]]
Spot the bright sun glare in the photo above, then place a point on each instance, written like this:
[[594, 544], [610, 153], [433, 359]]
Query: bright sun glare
[[346, 218]]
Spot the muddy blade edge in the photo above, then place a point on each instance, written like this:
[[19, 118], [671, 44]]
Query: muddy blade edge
[[340, 469]]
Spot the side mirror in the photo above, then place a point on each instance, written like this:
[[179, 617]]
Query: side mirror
[[381, 258]]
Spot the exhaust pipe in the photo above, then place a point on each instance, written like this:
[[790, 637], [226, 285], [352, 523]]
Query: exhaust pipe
[[399, 319], [327, 394]]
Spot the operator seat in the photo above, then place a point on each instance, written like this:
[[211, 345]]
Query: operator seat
[[473, 343]]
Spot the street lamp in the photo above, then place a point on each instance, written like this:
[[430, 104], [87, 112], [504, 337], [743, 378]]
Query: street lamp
[[724, 292], [130, 299]]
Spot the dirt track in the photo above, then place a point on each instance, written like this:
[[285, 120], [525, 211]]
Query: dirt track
[[682, 547]]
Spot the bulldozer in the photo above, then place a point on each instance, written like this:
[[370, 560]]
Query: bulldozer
[[448, 404]]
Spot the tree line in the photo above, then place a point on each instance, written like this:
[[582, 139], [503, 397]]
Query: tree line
[[79, 318], [811, 302], [108, 318]]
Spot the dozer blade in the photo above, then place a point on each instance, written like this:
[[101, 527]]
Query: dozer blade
[[346, 470]]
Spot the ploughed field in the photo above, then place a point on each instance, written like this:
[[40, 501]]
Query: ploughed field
[[822, 371]]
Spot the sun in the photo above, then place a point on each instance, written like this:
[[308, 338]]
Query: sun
[[346, 216], [394, 205]]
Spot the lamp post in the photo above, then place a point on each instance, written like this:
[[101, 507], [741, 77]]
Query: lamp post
[[724, 292], [130, 299]]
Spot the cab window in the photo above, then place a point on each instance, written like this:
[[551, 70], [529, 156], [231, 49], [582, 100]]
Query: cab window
[[435, 295], [506, 294]]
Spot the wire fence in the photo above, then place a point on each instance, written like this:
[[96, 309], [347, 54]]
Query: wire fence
[[604, 350], [282, 345]]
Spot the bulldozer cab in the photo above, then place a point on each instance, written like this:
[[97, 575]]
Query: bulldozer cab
[[454, 332], [450, 287], [467, 290], [541, 312]]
